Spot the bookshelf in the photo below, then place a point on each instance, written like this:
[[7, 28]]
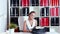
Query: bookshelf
[[47, 10]]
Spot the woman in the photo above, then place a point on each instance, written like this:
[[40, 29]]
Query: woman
[[30, 23]]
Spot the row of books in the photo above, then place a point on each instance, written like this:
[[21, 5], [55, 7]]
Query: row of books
[[43, 11], [35, 2], [52, 11], [14, 11], [45, 21]]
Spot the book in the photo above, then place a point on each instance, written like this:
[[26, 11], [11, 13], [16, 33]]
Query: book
[[54, 21], [54, 11], [43, 2], [54, 3], [44, 21]]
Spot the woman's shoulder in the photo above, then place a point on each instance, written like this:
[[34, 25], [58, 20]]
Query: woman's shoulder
[[35, 20], [26, 20]]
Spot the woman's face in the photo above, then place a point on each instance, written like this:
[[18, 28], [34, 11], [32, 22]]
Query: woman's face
[[32, 15]]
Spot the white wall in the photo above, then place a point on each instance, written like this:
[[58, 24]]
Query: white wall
[[36, 9], [3, 15]]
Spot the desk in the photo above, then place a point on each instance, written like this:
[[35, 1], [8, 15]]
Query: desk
[[22, 33], [29, 33]]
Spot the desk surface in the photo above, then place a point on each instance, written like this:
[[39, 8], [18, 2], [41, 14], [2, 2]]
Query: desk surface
[[30, 33], [23, 33]]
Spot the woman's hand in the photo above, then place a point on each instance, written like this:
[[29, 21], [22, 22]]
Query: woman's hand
[[25, 28]]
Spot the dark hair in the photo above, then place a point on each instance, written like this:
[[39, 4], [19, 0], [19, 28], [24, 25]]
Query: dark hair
[[31, 12]]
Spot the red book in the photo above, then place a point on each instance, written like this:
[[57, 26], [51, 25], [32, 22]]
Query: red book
[[54, 2], [54, 11], [44, 21], [25, 2], [43, 2]]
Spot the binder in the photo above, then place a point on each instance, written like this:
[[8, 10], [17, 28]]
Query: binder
[[57, 10], [54, 21], [44, 21], [43, 2], [34, 2], [24, 11], [17, 11], [54, 2], [37, 2], [14, 2], [47, 11], [13, 11], [54, 11], [24, 3], [44, 11]]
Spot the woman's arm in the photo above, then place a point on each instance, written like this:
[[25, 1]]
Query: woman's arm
[[24, 27], [36, 23]]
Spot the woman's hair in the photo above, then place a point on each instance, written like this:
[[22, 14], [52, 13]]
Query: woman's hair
[[31, 12]]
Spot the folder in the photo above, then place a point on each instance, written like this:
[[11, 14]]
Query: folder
[[24, 3], [34, 2], [57, 10], [44, 2], [24, 11], [54, 3], [44, 11], [54, 11], [44, 21], [54, 21]]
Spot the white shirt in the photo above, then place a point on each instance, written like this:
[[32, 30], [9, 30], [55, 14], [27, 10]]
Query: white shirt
[[29, 25]]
